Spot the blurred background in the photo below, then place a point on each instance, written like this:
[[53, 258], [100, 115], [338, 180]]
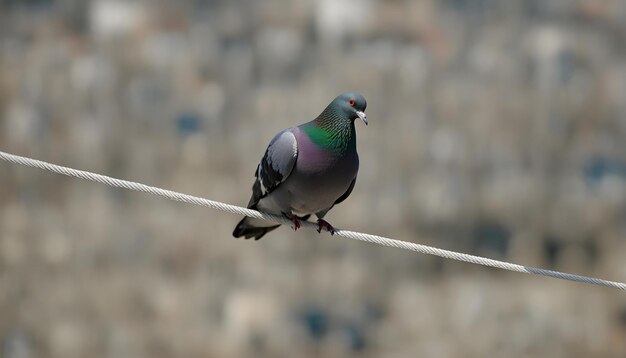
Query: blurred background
[[497, 128]]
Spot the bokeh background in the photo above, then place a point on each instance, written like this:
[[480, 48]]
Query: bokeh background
[[497, 128]]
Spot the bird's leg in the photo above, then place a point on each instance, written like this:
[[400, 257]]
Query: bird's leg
[[323, 224], [296, 222], [294, 219]]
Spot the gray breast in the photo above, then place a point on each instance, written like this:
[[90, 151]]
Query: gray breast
[[313, 189]]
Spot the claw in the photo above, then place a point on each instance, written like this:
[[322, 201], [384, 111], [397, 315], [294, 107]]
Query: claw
[[323, 224], [296, 222]]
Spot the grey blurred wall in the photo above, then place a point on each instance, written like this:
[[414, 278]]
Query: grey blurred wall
[[497, 128]]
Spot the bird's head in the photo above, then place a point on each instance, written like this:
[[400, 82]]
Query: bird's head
[[351, 104]]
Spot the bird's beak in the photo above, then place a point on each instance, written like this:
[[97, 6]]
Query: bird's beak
[[362, 115]]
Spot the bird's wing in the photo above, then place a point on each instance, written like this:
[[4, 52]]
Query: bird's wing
[[275, 166]]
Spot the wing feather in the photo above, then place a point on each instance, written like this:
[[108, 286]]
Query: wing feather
[[275, 166]]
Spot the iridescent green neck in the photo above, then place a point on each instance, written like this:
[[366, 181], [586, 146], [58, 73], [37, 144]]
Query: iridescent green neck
[[339, 138]]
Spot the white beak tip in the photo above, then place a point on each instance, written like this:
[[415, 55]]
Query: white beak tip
[[362, 116]]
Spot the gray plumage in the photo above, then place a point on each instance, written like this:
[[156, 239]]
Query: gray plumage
[[307, 169]]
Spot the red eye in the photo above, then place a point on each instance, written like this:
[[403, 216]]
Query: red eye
[[351, 103]]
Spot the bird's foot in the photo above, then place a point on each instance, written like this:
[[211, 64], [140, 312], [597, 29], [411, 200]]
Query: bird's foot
[[323, 224], [296, 222]]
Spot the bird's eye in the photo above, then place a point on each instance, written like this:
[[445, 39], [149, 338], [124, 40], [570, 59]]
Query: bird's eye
[[351, 103]]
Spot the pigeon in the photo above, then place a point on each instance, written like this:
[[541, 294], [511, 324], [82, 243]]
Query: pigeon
[[307, 169]]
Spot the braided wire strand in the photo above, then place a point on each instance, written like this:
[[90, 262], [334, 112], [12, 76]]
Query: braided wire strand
[[233, 209]]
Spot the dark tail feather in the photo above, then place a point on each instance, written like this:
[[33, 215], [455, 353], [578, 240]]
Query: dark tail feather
[[247, 230]]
